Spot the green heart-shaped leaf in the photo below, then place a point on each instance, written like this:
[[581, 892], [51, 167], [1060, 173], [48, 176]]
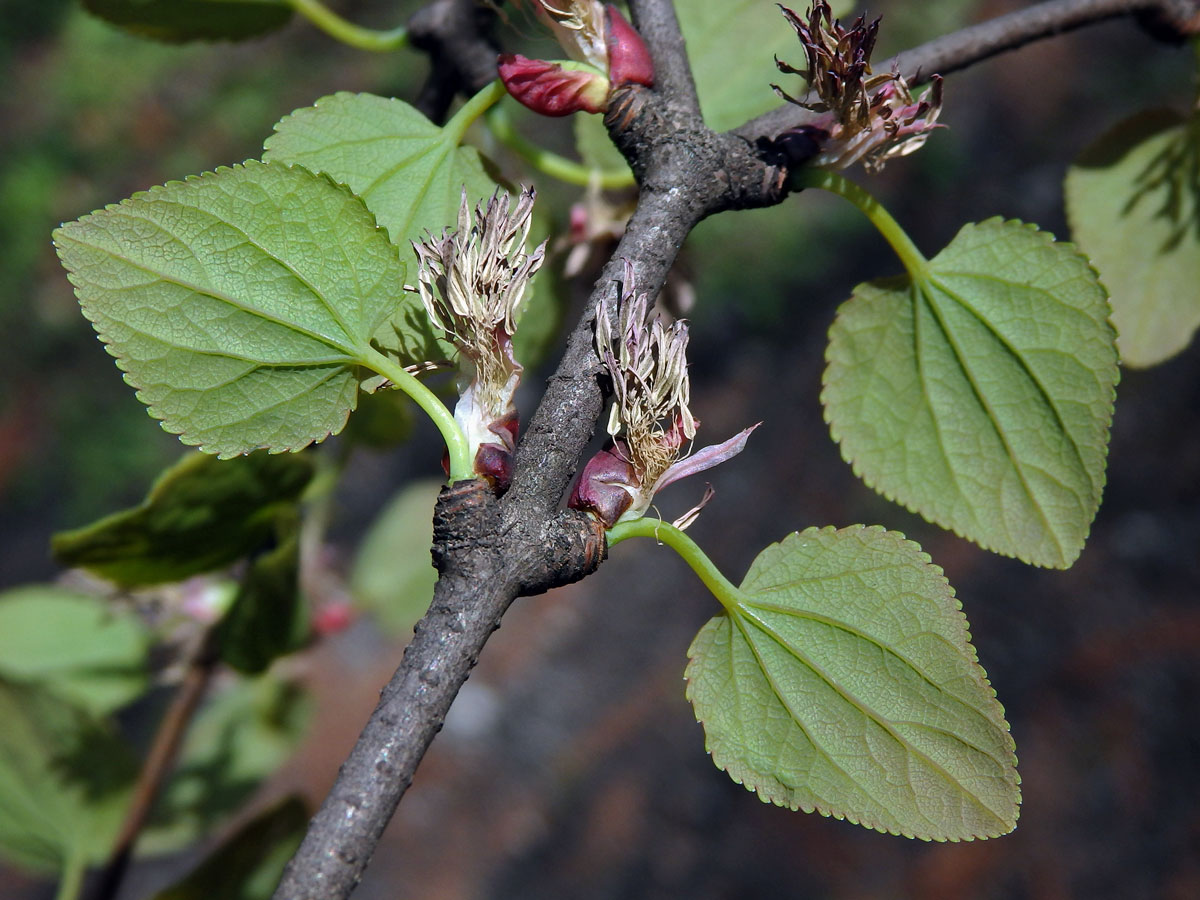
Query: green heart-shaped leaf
[[843, 681], [410, 172], [979, 393], [241, 303]]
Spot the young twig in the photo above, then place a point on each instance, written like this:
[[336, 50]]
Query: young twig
[[159, 762]]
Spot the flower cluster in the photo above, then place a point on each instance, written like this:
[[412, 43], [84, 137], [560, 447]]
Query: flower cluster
[[471, 281], [606, 51], [867, 117], [650, 421]]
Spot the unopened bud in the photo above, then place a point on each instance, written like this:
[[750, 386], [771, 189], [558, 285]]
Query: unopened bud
[[606, 486], [550, 89], [628, 59]]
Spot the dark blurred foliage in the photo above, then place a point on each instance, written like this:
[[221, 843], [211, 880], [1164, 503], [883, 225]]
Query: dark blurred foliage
[[571, 765]]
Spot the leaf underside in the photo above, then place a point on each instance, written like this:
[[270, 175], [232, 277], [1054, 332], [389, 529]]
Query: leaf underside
[[981, 393], [844, 682], [1133, 201], [202, 514], [241, 303]]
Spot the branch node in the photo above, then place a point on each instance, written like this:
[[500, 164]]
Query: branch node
[[572, 545], [1172, 22], [466, 513]]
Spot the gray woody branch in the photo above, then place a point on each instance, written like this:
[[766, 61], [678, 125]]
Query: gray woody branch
[[489, 551]]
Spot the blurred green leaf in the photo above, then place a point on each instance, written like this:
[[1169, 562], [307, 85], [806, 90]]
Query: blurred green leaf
[[201, 514], [64, 780], [732, 48], [268, 618], [73, 646], [843, 681], [191, 20], [393, 575], [242, 736], [595, 147], [383, 419], [241, 303], [409, 172], [539, 318], [250, 862], [1133, 199], [980, 393]]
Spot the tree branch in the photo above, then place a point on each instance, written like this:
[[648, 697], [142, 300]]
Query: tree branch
[[456, 36], [482, 569], [159, 761], [976, 43], [659, 28], [489, 551]]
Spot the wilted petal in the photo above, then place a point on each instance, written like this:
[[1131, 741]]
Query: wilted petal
[[685, 521], [867, 117], [472, 281], [712, 455]]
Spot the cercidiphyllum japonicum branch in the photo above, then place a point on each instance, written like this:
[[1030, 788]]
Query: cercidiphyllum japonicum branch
[[560, 427]]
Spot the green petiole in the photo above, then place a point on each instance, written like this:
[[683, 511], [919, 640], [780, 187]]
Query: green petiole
[[551, 163], [70, 884], [910, 256], [474, 108], [462, 465], [722, 588], [347, 32]]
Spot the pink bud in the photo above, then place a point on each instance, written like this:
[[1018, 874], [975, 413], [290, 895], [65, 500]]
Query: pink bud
[[551, 90], [332, 617], [494, 461], [603, 488], [628, 59]]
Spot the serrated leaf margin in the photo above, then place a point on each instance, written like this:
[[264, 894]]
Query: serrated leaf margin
[[980, 676], [1067, 559], [121, 359]]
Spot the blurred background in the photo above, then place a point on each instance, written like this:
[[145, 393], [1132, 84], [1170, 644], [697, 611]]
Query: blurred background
[[571, 765]]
